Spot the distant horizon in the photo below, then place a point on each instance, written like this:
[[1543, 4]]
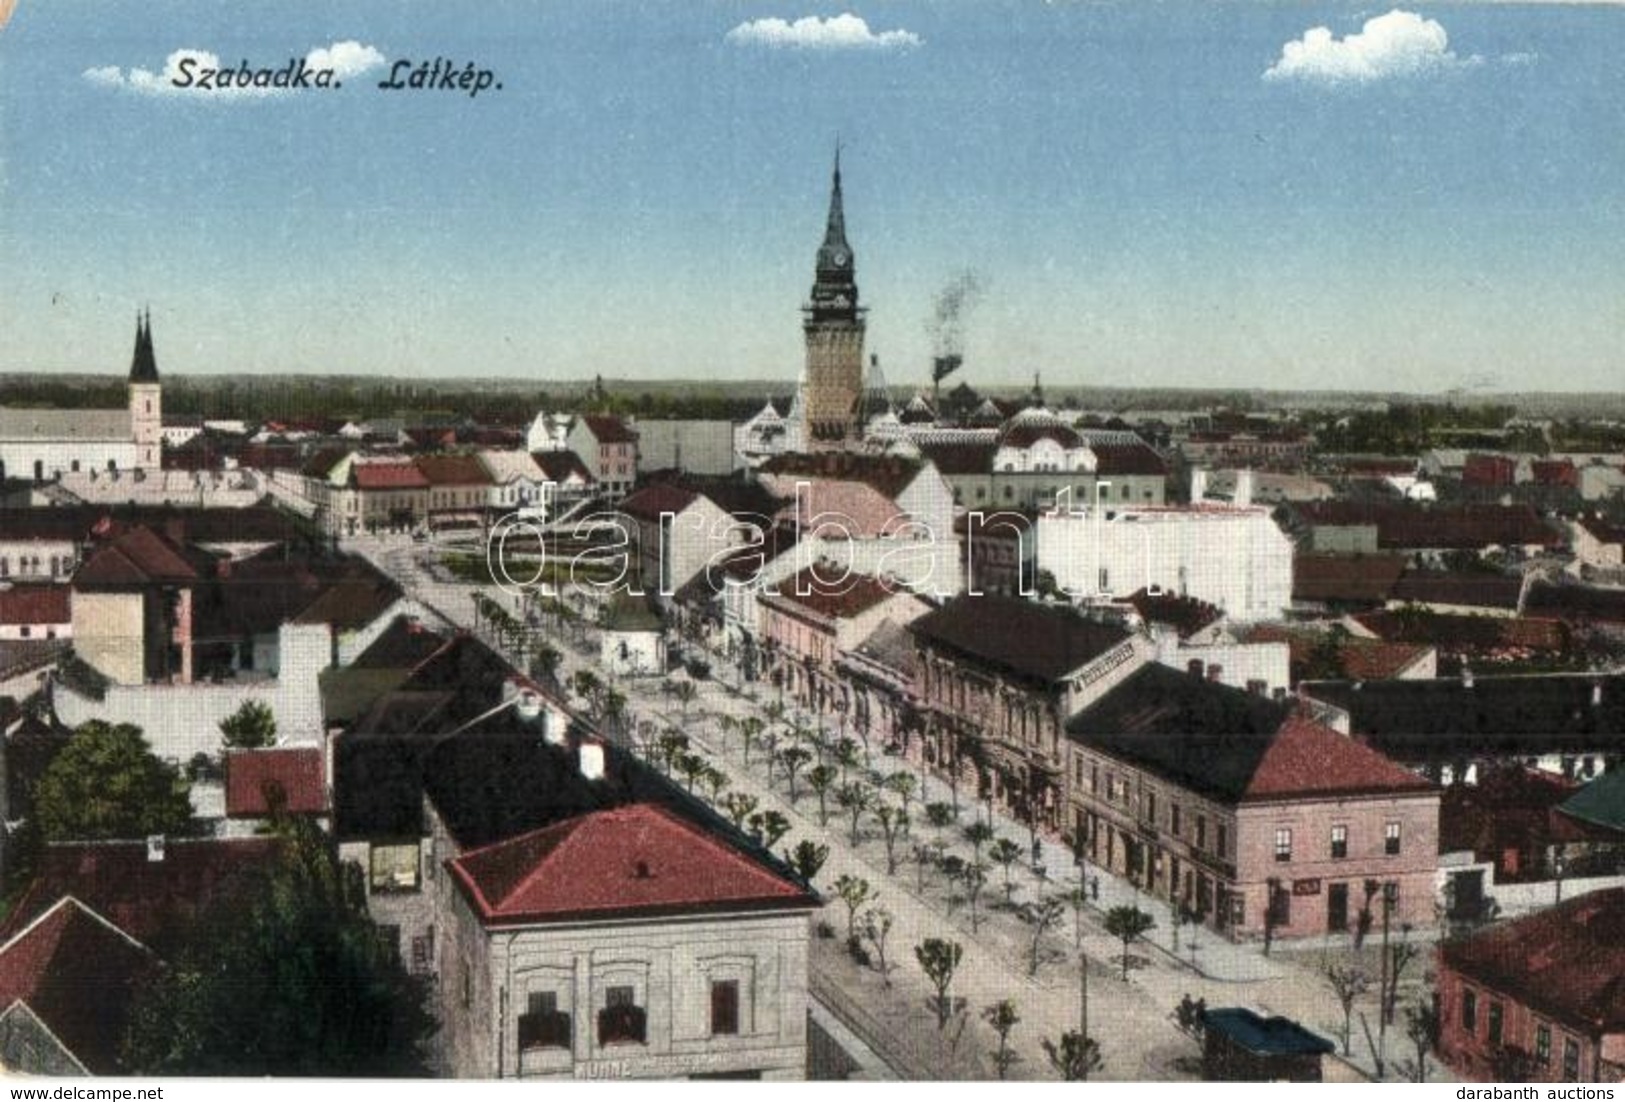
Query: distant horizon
[[1238, 197]]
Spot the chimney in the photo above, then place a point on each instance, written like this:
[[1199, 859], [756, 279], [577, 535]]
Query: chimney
[[1596, 694], [1466, 677], [1243, 498], [1194, 667], [1215, 672], [530, 705], [592, 761], [222, 568], [155, 847]]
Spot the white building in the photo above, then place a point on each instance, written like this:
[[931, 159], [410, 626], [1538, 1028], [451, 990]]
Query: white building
[[1233, 557]]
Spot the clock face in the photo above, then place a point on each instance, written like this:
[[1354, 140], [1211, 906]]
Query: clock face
[[841, 257]]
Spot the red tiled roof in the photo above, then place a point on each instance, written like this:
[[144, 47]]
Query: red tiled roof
[[140, 556], [1307, 758], [607, 429], [252, 775], [1462, 630], [1365, 578], [629, 861], [1124, 459], [830, 591], [36, 604], [453, 470], [387, 476], [1567, 961], [1362, 659], [960, 458], [149, 900], [77, 974], [560, 466], [888, 475], [661, 497], [1411, 526], [1187, 615]]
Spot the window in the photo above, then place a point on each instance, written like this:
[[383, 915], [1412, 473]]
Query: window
[[1390, 839], [1223, 840], [1173, 823], [1283, 843], [1571, 1059], [1543, 1044], [395, 868], [724, 1007], [622, 1019], [1201, 832], [1340, 841], [1493, 1025], [543, 1025], [1151, 807], [1469, 1010]]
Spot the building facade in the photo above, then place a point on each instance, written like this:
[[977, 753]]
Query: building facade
[[833, 325]]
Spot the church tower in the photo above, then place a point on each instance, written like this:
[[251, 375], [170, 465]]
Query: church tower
[[146, 399], [833, 326]]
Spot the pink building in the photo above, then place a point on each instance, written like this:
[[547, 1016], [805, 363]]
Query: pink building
[[1256, 818]]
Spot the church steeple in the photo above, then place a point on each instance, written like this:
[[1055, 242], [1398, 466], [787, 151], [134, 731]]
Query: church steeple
[[835, 289], [143, 365]]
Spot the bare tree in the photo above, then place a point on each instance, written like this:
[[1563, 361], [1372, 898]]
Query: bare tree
[[893, 823], [877, 924], [1042, 914], [1348, 982]]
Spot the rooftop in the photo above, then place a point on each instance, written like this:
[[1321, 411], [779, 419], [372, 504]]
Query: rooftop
[[639, 860], [1567, 961], [1034, 641], [257, 779]]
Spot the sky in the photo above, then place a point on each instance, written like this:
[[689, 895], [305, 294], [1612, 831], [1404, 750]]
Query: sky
[[1291, 195]]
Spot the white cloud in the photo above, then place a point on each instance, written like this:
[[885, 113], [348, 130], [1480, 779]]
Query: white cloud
[[347, 59], [838, 32], [183, 73], [1399, 44]]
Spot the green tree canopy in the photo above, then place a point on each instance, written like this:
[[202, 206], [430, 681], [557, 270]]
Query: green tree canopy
[[250, 727], [286, 976], [106, 783]]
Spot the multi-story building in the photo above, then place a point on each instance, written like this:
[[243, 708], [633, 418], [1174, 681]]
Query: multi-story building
[[1255, 817], [998, 679], [459, 490], [809, 621], [1538, 999], [623, 944], [609, 448]]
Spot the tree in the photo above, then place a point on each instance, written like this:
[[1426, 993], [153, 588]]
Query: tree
[[768, 827], [250, 727], [1003, 1018], [1348, 982], [978, 834], [974, 876], [1075, 1057], [940, 815], [685, 692], [1077, 899], [544, 664], [750, 729], [1042, 914], [821, 778], [586, 685], [1126, 924], [714, 780], [877, 924], [106, 783], [738, 807], [902, 784], [854, 892], [926, 854], [285, 976], [671, 745], [855, 798], [847, 756], [793, 758], [692, 767], [807, 858], [1006, 853], [893, 822], [938, 960], [1422, 1029]]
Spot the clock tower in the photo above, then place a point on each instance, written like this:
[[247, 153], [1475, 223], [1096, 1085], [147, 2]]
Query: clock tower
[[832, 322]]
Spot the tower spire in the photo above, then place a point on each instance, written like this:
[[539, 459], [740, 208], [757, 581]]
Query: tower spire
[[143, 365], [835, 229]]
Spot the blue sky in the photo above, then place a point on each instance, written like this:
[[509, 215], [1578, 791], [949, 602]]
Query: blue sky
[[1182, 194]]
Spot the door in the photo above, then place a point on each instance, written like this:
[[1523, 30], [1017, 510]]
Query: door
[[1337, 908]]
